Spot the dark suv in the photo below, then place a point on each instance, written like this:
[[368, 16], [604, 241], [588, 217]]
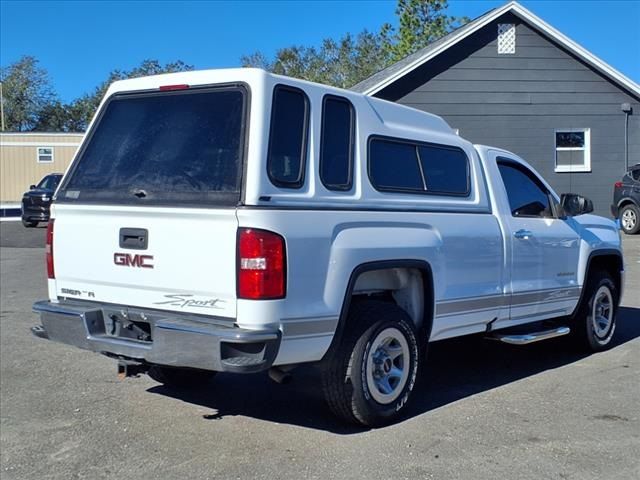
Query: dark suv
[[626, 201], [37, 201]]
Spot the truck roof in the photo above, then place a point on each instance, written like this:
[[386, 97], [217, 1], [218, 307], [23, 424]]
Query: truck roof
[[390, 113]]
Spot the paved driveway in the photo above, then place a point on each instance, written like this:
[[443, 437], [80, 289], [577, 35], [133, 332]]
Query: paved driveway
[[483, 410]]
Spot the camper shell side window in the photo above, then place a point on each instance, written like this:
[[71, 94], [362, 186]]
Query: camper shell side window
[[408, 166], [286, 157], [337, 143]]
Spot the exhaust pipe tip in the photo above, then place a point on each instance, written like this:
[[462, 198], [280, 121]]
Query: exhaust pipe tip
[[280, 376]]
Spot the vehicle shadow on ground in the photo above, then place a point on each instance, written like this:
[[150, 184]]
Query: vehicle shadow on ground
[[455, 369]]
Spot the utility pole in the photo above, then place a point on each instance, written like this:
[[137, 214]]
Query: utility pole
[[1, 107]]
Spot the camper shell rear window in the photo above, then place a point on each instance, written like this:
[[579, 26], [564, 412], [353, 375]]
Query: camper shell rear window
[[183, 147]]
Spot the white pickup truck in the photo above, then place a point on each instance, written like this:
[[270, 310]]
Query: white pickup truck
[[239, 221]]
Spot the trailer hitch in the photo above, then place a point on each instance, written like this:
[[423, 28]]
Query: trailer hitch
[[128, 368]]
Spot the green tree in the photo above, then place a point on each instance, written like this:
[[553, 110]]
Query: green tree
[[420, 22], [341, 63], [53, 117], [60, 117], [26, 91], [352, 58]]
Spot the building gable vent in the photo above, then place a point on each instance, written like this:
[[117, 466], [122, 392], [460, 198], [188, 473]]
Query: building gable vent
[[506, 38]]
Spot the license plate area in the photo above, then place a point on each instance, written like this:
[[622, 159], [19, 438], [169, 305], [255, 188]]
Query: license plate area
[[127, 325]]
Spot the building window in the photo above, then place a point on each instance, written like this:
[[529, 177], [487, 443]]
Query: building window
[[573, 150], [506, 38], [45, 155]]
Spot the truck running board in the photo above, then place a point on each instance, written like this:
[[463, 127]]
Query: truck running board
[[531, 337]]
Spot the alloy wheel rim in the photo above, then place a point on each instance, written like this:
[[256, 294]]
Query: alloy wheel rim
[[387, 366], [602, 313], [629, 219]]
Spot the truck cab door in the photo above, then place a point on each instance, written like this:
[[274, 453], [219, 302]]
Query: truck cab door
[[544, 248]]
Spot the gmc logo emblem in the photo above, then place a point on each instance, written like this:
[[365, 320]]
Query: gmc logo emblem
[[129, 260]]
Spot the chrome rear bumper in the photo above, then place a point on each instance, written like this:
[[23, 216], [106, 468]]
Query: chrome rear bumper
[[155, 337]]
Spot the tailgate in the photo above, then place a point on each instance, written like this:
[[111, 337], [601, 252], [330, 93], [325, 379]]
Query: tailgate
[[188, 264], [146, 214]]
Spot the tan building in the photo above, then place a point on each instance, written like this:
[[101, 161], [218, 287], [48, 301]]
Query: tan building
[[26, 157]]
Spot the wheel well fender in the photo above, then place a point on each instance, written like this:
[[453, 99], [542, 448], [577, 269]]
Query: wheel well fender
[[609, 260], [426, 273], [627, 201]]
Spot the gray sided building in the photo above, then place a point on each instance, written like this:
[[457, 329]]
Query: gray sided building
[[510, 80]]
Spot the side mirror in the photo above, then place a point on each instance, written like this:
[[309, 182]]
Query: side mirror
[[574, 205], [32, 187]]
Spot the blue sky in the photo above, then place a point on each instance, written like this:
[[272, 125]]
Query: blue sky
[[80, 42]]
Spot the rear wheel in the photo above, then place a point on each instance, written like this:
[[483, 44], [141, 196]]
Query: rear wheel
[[630, 219], [175, 377], [369, 379], [29, 224], [595, 321]]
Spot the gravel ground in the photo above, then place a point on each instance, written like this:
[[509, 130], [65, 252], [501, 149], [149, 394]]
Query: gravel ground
[[482, 409]]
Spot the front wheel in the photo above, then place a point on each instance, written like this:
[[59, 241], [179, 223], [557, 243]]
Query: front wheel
[[369, 379], [595, 320], [630, 219]]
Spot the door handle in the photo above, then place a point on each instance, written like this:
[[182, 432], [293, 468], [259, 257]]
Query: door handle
[[134, 238], [523, 234]]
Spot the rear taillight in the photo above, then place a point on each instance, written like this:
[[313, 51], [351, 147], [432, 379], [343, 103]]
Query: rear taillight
[[261, 264], [49, 250], [618, 184]]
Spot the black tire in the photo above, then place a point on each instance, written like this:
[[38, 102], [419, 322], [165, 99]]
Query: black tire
[[347, 378], [183, 378], [589, 334], [629, 219], [28, 224]]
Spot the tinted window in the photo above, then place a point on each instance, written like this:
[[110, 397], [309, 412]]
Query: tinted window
[[50, 182], [394, 165], [287, 140], [445, 170], [170, 147], [636, 174], [569, 139], [527, 198], [336, 147]]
